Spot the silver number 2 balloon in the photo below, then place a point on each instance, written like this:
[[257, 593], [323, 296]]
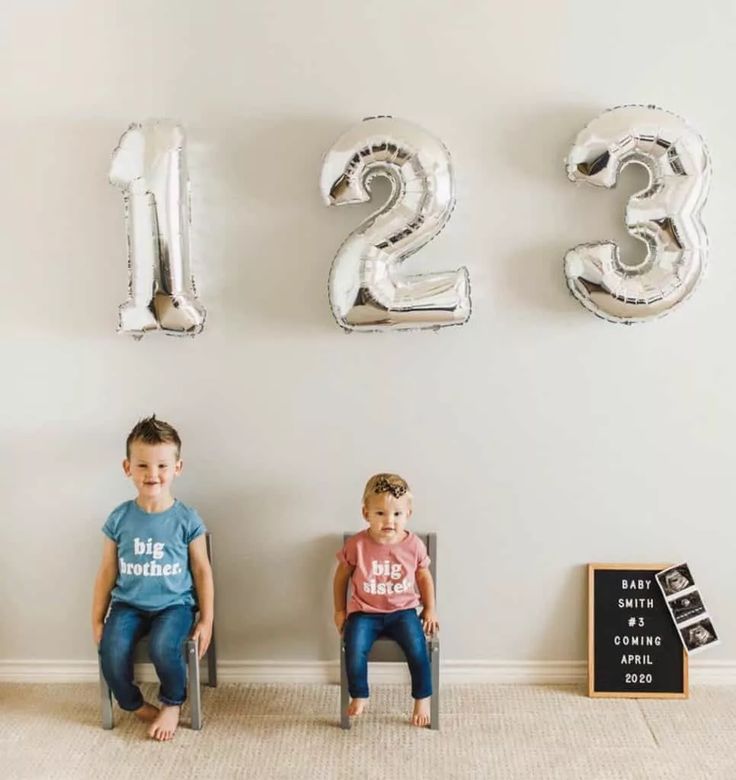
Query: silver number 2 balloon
[[149, 166], [367, 289], [665, 215]]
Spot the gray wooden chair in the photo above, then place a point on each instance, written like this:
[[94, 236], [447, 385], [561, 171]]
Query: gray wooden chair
[[191, 651], [385, 649]]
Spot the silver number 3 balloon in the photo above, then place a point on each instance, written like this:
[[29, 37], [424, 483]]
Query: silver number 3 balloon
[[149, 166], [367, 288], [665, 215]]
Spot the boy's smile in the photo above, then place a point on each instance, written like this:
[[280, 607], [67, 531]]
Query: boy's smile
[[152, 468], [387, 516]]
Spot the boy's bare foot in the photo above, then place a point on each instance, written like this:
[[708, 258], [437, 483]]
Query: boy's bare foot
[[357, 706], [164, 726], [420, 716], [147, 713]]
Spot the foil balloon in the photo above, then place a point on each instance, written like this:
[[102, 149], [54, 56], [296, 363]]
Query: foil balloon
[[665, 215], [149, 166], [368, 288]]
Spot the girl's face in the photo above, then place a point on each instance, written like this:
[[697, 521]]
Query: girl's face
[[387, 517]]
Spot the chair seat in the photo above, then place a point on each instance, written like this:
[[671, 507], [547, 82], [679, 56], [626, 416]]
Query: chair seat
[[141, 651], [385, 649], [141, 654]]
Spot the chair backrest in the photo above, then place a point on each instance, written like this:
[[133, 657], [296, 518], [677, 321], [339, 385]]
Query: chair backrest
[[430, 541]]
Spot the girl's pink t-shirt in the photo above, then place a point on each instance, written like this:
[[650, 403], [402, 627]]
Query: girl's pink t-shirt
[[384, 576]]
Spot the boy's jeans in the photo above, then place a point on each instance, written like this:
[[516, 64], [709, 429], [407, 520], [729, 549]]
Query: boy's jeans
[[169, 629], [361, 631]]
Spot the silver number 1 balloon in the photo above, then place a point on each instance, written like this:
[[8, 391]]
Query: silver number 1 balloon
[[665, 215], [149, 166], [367, 288]]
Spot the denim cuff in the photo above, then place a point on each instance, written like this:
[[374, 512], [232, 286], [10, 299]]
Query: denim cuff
[[134, 708], [171, 702], [362, 693], [422, 694]]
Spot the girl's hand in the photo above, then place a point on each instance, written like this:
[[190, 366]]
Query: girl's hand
[[340, 618], [97, 629], [203, 634], [430, 622]]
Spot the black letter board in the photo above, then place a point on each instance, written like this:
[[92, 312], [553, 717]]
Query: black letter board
[[633, 647]]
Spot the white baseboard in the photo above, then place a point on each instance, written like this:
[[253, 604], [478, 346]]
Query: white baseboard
[[452, 672], [507, 672]]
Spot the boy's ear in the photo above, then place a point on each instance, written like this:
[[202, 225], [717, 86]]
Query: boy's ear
[[365, 512], [178, 467], [126, 467]]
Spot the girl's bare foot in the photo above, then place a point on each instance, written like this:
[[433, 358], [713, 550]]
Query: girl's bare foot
[[357, 706], [147, 713], [164, 726], [420, 716]]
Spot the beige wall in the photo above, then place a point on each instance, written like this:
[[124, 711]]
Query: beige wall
[[536, 438]]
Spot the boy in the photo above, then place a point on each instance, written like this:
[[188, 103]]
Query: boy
[[155, 545]]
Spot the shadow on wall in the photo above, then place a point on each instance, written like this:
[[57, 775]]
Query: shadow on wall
[[263, 224], [262, 241], [74, 241], [52, 516], [571, 214], [273, 582], [569, 609]]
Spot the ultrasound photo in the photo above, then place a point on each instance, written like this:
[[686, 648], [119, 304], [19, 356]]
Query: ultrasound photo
[[675, 579], [687, 607], [699, 635]]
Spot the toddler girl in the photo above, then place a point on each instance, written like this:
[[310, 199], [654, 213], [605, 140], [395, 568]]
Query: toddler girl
[[385, 564]]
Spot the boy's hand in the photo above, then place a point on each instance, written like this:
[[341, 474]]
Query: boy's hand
[[97, 629], [430, 622], [340, 618], [203, 634]]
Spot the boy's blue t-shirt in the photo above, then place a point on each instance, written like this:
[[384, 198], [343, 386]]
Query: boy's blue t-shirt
[[153, 554]]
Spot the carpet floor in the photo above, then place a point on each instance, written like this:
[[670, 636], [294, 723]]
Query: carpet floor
[[291, 731]]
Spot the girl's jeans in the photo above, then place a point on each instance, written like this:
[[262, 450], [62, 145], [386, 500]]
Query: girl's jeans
[[361, 631], [168, 629]]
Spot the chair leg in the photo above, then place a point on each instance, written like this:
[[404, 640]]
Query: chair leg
[[434, 717], [195, 692], [212, 664], [105, 701], [344, 693]]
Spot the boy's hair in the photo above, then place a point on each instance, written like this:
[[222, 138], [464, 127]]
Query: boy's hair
[[153, 431], [386, 483]]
